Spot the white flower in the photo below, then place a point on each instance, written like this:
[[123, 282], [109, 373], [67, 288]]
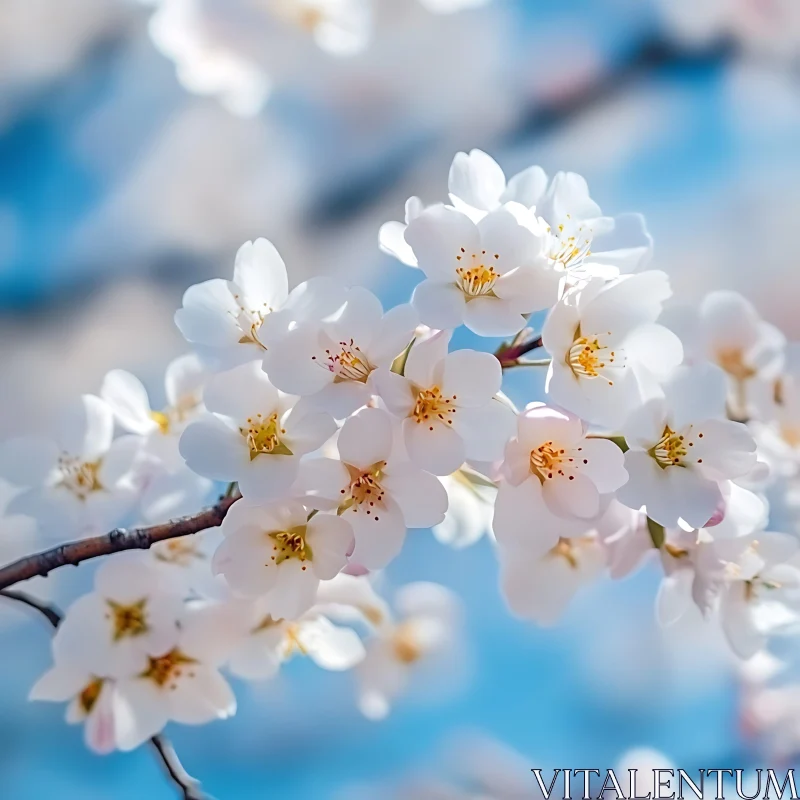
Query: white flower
[[682, 451], [470, 505], [484, 275], [131, 614], [232, 321], [728, 331], [580, 242], [448, 406], [276, 550], [540, 588], [91, 701], [80, 483], [186, 564], [331, 360], [761, 592], [607, 352], [127, 397], [182, 683], [254, 434], [269, 642], [417, 645], [378, 492], [554, 475]]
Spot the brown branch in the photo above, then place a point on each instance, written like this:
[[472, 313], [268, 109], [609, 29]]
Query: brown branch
[[508, 354], [116, 541], [187, 785]]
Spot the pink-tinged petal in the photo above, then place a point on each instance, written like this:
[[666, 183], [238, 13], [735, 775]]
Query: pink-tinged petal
[[214, 450], [438, 236], [436, 448], [725, 450], [202, 698], [440, 305], [573, 495], [244, 571], [420, 495], [99, 727], [604, 463], [366, 438], [696, 498], [379, 535], [139, 713], [493, 316], [540, 423], [472, 377], [516, 462], [331, 539]]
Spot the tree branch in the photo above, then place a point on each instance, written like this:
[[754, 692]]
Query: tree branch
[[508, 354], [188, 786], [116, 541]]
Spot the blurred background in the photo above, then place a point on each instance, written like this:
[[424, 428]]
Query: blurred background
[[142, 143]]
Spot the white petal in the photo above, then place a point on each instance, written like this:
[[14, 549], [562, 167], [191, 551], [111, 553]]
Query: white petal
[[329, 646], [320, 482], [128, 400], [242, 392], [395, 390], [209, 315], [60, 683], [260, 273], [424, 362], [331, 539], [307, 431], [574, 495], [656, 347], [674, 597], [298, 363], [437, 236], [202, 698], [605, 464], [379, 535], [493, 316], [139, 713], [472, 377], [366, 438], [485, 430], [521, 518], [476, 179], [527, 187], [436, 448], [439, 305], [99, 728], [267, 476], [392, 335], [184, 379], [391, 239], [214, 450], [86, 427], [420, 496]]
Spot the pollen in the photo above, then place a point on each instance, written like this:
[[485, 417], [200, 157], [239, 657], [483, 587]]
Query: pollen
[[263, 436], [347, 364], [587, 358], [474, 278], [406, 646], [546, 461], [432, 406], [290, 544], [80, 478], [89, 695], [733, 361], [365, 493], [128, 620], [671, 449], [165, 670]]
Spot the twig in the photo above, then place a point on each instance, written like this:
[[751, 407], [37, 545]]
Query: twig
[[116, 541], [188, 786], [508, 354]]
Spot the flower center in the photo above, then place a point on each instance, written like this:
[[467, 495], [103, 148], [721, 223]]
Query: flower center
[[79, 477], [89, 694], [179, 551], [587, 357], [128, 620], [263, 436], [732, 360], [570, 246], [431, 405], [546, 461], [406, 645], [672, 448], [162, 420], [250, 321], [475, 279], [566, 549], [166, 669], [290, 544], [349, 364], [365, 490]]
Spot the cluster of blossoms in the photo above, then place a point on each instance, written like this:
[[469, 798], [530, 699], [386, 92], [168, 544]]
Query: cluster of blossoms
[[217, 56], [338, 425]]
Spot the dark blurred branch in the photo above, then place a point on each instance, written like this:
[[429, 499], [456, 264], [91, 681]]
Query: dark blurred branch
[[509, 354], [187, 785], [116, 541]]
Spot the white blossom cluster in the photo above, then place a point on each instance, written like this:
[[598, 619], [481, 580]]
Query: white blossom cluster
[[342, 425]]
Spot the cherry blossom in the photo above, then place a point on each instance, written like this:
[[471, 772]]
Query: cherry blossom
[[555, 475], [80, 482], [378, 492], [332, 360], [607, 352], [447, 404], [470, 505], [254, 434], [279, 551], [682, 451]]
